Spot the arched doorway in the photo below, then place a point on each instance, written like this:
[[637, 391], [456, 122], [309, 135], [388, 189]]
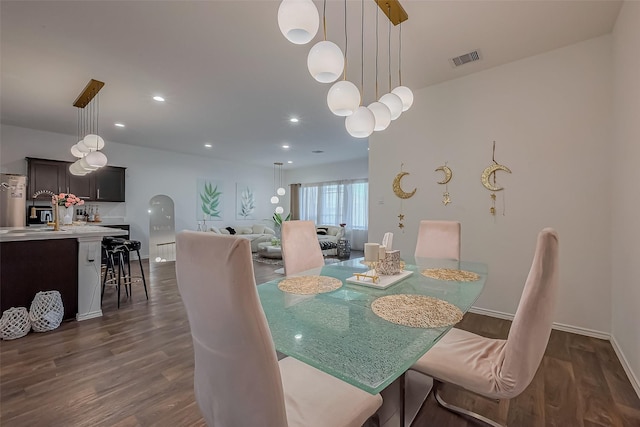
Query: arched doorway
[[162, 229]]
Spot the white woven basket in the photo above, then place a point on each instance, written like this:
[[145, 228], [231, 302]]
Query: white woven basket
[[46, 311], [14, 323]]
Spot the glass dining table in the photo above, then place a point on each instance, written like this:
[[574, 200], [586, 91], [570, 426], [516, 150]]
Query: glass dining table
[[338, 333]]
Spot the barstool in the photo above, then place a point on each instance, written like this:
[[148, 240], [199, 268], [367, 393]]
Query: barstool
[[130, 246], [118, 252], [114, 251]]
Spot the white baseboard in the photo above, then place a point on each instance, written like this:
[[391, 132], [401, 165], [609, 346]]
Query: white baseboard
[[559, 326], [625, 365], [633, 379]]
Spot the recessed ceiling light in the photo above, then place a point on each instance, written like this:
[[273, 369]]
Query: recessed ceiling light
[[120, 125], [289, 161], [158, 98], [285, 146], [208, 145], [294, 120]]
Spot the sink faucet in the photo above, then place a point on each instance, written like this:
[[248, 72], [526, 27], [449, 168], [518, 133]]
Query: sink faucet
[[56, 221]]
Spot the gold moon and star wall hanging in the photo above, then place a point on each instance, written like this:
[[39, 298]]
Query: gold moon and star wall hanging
[[490, 172], [448, 174], [397, 188], [398, 191]]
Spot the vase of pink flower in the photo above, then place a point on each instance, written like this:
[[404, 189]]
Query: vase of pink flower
[[65, 203]]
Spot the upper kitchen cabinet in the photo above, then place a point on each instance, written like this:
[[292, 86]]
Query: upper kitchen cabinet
[[104, 185], [47, 175], [109, 182]]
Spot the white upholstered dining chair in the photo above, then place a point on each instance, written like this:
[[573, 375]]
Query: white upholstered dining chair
[[238, 380], [300, 247], [494, 368], [438, 239]]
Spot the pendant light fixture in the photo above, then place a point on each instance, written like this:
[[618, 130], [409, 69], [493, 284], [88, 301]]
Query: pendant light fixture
[[298, 20], [381, 112], [362, 122], [279, 191], [391, 100], [90, 143], [403, 92], [343, 98], [325, 60]]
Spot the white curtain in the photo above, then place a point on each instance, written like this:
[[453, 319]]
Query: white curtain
[[338, 202]]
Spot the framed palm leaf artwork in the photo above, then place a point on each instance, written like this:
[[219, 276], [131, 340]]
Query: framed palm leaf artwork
[[245, 201], [209, 203]]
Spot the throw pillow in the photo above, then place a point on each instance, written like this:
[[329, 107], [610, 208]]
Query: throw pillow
[[230, 230], [224, 231], [321, 231], [215, 229], [268, 230], [258, 229], [244, 230]]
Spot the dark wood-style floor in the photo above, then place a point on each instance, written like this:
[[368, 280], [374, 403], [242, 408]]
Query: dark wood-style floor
[[134, 367]]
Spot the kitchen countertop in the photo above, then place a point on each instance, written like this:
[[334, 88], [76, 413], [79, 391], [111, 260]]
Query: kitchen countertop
[[15, 234]]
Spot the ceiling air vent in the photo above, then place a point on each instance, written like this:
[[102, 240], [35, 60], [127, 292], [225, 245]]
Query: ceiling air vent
[[466, 58]]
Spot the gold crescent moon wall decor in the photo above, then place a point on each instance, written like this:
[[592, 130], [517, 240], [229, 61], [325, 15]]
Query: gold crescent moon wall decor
[[486, 175], [397, 189], [447, 174]]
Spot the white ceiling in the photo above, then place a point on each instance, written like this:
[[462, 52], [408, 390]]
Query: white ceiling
[[231, 79]]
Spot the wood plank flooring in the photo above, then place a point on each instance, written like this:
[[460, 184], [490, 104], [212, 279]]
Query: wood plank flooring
[[134, 367]]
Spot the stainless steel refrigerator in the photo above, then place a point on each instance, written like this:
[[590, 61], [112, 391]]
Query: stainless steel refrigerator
[[13, 200]]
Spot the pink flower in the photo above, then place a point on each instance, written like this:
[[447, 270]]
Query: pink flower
[[67, 204], [62, 195], [81, 202]]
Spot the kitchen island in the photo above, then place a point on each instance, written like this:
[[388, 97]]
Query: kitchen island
[[40, 259]]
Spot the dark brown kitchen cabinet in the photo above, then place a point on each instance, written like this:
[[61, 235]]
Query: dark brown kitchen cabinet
[[109, 182], [104, 185], [47, 175]]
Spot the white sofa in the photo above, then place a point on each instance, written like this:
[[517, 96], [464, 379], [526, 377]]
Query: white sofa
[[334, 233], [256, 233]]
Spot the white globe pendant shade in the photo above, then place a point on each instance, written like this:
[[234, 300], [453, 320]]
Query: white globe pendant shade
[[325, 61], [93, 142], [382, 115], [298, 20], [274, 200], [279, 210], [95, 159], [343, 98], [406, 96], [81, 147], [76, 169], [76, 153], [394, 103], [361, 123], [280, 191], [85, 166]]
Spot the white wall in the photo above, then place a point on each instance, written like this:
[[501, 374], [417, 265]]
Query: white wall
[[351, 169], [149, 172], [625, 200], [550, 117]]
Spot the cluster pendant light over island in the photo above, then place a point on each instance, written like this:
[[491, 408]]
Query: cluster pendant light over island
[[299, 22], [87, 149]]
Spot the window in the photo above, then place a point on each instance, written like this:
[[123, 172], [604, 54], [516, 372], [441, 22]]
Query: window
[[342, 202]]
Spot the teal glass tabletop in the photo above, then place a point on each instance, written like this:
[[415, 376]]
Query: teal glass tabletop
[[338, 333]]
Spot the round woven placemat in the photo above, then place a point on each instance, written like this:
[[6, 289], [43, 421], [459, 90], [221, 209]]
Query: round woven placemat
[[449, 274], [417, 311], [309, 285]]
